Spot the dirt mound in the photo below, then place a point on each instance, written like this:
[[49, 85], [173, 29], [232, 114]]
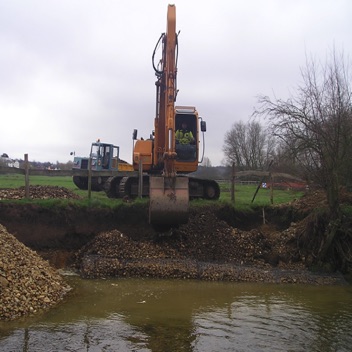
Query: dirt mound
[[38, 192], [311, 200], [316, 199], [206, 249], [28, 284], [205, 238]]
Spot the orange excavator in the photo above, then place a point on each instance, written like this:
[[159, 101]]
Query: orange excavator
[[162, 160]]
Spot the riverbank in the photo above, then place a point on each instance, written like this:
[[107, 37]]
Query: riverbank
[[204, 249], [217, 244]]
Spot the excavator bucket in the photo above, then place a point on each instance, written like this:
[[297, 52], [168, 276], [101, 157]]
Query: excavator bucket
[[169, 200]]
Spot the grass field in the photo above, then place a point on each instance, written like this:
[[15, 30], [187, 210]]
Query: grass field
[[243, 193], [16, 180]]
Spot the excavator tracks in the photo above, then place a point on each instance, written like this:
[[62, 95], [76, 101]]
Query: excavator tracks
[[120, 187], [82, 183], [203, 188], [112, 187]]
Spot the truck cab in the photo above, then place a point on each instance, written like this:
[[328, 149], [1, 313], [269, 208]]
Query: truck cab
[[103, 157]]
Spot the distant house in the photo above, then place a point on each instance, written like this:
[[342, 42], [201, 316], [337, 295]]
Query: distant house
[[6, 161]]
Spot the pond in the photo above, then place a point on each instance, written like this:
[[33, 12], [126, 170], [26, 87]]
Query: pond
[[179, 315]]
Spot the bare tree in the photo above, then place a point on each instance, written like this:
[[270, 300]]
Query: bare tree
[[286, 160], [206, 162], [65, 166], [247, 145], [316, 124]]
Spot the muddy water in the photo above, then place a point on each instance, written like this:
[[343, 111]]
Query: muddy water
[[161, 315]]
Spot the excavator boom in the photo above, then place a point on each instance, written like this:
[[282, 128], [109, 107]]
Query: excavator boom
[[169, 194], [164, 146]]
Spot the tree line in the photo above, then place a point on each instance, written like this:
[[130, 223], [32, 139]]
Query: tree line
[[46, 165], [310, 135]]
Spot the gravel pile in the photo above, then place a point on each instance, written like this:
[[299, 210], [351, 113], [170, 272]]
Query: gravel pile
[[28, 284], [94, 266], [38, 192], [203, 249], [203, 239]]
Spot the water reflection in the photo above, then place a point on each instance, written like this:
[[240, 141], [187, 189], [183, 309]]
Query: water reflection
[[161, 315]]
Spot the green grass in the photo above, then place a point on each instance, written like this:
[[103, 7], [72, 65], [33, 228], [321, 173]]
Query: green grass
[[15, 181], [97, 198], [243, 193]]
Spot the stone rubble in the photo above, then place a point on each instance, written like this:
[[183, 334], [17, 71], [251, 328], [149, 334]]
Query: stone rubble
[[205, 249], [28, 284]]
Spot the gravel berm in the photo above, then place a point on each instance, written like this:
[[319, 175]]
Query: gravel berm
[[28, 284], [205, 249]]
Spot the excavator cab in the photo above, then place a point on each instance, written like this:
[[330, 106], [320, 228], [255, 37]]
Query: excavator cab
[[169, 196], [185, 138]]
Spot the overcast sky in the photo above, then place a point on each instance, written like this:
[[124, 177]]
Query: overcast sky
[[73, 71]]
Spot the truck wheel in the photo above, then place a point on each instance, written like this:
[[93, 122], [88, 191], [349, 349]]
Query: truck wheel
[[80, 182], [211, 191]]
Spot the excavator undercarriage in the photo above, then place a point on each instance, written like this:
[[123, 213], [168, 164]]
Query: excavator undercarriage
[[128, 186]]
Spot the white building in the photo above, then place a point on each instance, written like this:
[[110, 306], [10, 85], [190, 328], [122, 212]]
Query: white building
[[6, 161]]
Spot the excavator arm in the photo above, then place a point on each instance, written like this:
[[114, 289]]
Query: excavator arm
[[170, 72], [164, 145], [169, 194]]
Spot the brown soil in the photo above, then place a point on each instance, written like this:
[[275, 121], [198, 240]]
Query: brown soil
[[38, 192]]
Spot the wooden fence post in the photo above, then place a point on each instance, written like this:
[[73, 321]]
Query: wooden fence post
[[271, 188], [26, 176], [233, 183], [140, 179], [89, 178]]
